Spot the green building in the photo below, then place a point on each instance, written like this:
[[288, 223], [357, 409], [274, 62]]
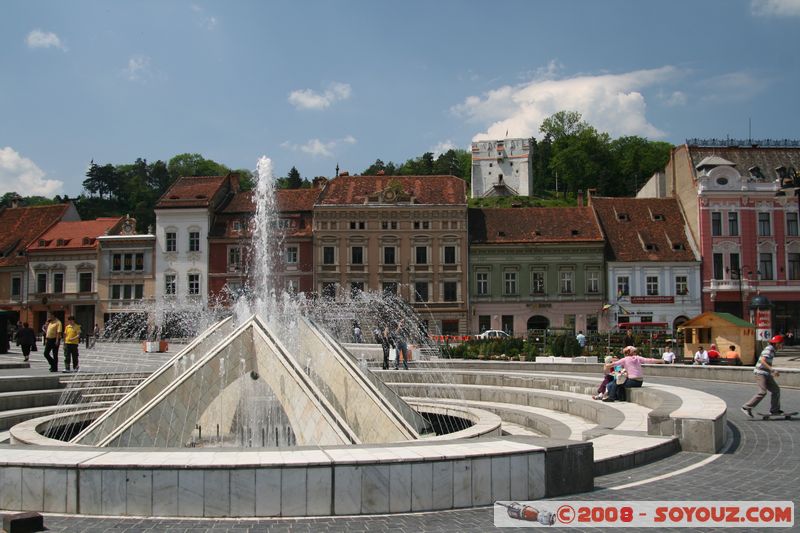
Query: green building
[[536, 268]]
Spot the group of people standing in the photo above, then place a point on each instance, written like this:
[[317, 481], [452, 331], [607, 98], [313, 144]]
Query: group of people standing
[[396, 339], [53, 332]]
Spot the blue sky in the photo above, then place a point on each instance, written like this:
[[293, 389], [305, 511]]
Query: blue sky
[[316, 83]]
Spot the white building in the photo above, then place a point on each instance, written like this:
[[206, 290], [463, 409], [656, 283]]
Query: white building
[[184, 215], [501, 168], [653, 266]]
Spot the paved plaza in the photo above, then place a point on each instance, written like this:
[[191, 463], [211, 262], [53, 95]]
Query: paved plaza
[[761, 462]]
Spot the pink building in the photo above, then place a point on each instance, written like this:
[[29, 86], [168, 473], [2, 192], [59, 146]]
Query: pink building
[[741, 205]]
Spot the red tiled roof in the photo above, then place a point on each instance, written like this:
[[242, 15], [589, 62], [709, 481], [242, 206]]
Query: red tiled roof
[[533, 225], [22, 225], [436, 190], [72, 235], [194, 191], [288, 200], [633, 224]]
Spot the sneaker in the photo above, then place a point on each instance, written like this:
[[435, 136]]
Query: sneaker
[[75, 369], [66, 371], [776, 413], [747, 411], [607, 399]]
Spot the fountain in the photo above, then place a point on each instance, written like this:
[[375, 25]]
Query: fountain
[[265, 412]]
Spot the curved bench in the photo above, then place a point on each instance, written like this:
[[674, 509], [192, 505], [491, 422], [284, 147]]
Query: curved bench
[[696, 418]]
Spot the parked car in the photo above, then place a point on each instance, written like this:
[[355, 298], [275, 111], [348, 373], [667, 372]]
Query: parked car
[[493, 334]]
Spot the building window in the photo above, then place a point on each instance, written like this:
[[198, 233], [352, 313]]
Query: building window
[[356, 288], [623, 286], [389, 288], [58, 282], [509, 283], [421, 255], [765, 266], [591, 322], [764, 226], [652, 285], [292, 286], [116, 262], [733, 223], [170, 284], [236, 225], [194, 241], [484, 322], [794, 266], [593, 282], [329, 290], [450, 291], [357, 255], [566, 278], [449, 255], [172, 241], [328, 255], [734, 266], [127, 263], [482, 283], [422, 224], [16, 287], [291, 255], [791, 224], [194, 284], [421, 291], [388, 224], [681, 285], [716, 223], [718, 266], [357, 224], [85, 282], [234, 258], [388, 255]]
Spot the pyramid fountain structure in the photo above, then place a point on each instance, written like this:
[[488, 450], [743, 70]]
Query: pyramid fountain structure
[[329, 400]]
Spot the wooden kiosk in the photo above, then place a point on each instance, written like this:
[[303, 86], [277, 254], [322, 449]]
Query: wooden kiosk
[[722, 329]]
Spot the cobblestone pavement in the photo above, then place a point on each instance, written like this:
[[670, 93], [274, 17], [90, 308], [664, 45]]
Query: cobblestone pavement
[[762, 463]]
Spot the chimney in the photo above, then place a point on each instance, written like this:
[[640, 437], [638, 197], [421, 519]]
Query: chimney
[[580, 197], [15, 202], [344, 173], [589, 193], [319, 182]]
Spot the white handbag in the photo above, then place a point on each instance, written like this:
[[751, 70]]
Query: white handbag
[[392, 354]]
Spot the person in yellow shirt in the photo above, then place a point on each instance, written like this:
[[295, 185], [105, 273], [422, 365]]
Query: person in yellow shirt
[[52, 340], [72, 338]]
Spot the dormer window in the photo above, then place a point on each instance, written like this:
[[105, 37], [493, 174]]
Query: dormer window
[[87, 241], [722, 181], [623, 217], [574, 232], [651, 247], [659, 217], [678, 246], [42, 243], [60, 242]]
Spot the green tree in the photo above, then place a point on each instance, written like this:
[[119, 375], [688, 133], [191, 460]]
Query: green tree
[[583, 160], [563, 124], [636, 160], [195, 165]]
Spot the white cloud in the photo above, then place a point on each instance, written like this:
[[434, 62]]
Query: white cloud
[[443, 147], [775, 8], [732, 87], [309, 99], [610, 102], [138, 68], [205, 21], [318, 148], [22, 175], [676, 99], [44, 39]]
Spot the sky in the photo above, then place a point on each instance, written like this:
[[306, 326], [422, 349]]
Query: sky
[[313, 84]]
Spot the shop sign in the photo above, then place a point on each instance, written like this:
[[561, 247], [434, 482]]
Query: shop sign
[[652, 299]]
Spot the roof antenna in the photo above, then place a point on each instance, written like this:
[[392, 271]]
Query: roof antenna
[[749, 130], [337, 169]]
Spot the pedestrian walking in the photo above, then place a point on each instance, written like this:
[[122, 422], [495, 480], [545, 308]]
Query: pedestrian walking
[[401, 345], [72, 339], [765, 375], [26, 338], [358, 337], [52, 340]]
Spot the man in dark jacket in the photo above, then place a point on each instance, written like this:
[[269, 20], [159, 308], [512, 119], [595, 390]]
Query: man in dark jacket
[[26, 338]]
